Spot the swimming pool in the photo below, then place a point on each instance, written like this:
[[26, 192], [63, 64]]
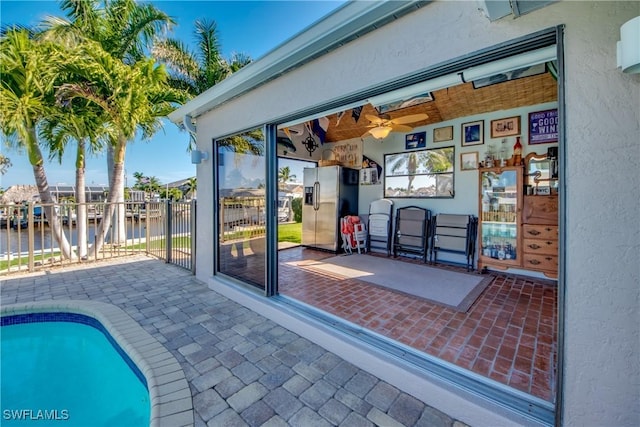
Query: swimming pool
[[169, 394], [67, 367]]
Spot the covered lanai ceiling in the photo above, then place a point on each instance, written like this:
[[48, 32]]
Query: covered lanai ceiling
[[457, 101]]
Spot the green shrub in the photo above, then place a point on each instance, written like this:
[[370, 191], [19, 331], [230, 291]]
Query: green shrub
[[296, 205]]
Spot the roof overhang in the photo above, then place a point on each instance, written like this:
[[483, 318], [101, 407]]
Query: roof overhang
[[348, 22]]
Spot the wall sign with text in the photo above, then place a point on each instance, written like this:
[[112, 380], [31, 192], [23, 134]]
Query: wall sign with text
[[543, 126]]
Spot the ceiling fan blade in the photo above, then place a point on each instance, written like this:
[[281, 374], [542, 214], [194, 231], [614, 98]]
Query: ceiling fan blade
[[401, 128], [372, 118], [411, 118]]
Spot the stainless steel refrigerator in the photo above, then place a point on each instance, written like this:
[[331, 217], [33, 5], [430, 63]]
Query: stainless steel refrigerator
[[330, 193]]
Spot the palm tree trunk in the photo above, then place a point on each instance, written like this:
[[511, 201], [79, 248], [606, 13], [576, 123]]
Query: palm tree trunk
[[35, 157], [116, 190], [81, 199], [120, 232]]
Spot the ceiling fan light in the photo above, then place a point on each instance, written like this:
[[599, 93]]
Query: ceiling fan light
[[380, 132]]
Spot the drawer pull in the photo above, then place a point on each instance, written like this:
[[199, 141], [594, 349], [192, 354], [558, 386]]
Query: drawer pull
[[533, 232], [534, 262], [548, 258], [534, 246]]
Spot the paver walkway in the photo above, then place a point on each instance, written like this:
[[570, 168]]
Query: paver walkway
[[243, 369]]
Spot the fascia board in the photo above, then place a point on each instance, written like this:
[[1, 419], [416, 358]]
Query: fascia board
[[339, 27]]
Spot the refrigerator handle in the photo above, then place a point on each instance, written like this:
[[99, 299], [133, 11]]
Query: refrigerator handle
[[316, 195]]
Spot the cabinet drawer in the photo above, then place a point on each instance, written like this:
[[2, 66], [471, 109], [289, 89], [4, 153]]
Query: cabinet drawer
[[539, 246], [545, 232], [540, 262]]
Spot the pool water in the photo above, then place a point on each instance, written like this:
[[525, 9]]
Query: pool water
[[67, 373]]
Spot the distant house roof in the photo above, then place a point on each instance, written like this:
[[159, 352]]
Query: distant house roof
[[179, 183]]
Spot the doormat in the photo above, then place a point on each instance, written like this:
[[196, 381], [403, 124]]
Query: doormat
[[444, 287]]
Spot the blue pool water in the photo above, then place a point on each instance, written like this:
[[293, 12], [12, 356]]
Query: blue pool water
[[67, 373]]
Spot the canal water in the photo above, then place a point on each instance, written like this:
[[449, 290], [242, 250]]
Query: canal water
[[16, 241]]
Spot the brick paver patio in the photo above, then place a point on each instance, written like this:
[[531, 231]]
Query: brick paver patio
[[243, 369]]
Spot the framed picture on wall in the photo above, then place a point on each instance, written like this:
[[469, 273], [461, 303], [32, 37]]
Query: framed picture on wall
[[443, 134], [509, 126], [415, 140], [420, 174], [473, 133], [469, 161]]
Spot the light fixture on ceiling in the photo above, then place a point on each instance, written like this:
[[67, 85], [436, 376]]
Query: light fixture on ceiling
[[382, 124], [380, 132], [629, 46]]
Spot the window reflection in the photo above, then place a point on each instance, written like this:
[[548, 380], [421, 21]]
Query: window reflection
[[241, 213]]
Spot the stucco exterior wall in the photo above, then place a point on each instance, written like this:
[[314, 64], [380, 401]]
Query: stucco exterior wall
[[602, 178]]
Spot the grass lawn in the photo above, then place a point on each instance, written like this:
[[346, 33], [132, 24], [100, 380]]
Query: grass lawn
[[291, 232]]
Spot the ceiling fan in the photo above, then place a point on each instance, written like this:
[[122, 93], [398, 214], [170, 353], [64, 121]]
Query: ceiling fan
[[382, 124]]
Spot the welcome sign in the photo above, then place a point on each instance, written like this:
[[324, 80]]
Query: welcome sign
[[543, 126]]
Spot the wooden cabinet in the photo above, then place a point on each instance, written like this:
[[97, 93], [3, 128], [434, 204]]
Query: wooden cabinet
[[499, 225], [516, 231], [540, 234]]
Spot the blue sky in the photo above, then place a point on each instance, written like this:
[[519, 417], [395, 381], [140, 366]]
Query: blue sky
[[251, 27]]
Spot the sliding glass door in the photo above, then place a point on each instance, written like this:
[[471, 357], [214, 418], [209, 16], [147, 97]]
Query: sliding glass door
[[241, 211]]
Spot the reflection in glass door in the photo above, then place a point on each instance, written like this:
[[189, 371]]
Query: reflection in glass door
[[241, 207]]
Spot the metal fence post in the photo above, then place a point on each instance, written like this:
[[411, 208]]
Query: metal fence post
[[147, 234], [192, 233], [169, 224], [31, 236]]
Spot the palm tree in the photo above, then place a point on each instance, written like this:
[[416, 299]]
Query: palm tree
[[196, 72], [28, 71], [124, 29], [191, 186], [81, 124], [148, 184], [284, 176], [133, 97]]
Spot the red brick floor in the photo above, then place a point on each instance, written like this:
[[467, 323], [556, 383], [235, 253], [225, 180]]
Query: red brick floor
[[508, 334]]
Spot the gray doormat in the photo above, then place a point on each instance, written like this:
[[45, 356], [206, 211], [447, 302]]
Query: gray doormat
[[444, 287]]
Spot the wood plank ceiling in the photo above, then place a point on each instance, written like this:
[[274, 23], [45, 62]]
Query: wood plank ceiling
[[457, 101]]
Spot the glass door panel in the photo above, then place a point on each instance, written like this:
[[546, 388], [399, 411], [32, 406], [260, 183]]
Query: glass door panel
[[241, 207]]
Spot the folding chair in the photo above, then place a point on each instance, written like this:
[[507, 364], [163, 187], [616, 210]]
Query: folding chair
[[360, 236], [346, 235]]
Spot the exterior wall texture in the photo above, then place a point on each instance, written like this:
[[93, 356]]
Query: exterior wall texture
[[602, 307]]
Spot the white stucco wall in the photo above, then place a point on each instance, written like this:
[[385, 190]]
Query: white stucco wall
[[602, 227]]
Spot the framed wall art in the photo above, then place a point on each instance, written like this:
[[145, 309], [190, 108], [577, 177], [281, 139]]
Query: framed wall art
[[543, 127], [415, 140], [509, 126], [420, 174], [443, 134], [473, 133], [469, 161]]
